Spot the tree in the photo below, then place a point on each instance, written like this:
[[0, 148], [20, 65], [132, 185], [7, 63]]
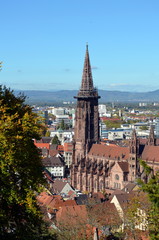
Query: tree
[[135, 214], [62, 125], [55, 140], [144, 128], [103, 216], [112, 124], [47, 134], [151, 187], [21, 175]]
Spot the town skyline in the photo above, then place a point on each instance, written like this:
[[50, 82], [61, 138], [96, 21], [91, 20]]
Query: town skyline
[[43, 44]]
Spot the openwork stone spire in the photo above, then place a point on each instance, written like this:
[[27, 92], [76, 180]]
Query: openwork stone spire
[[87, 89], [151, 139]]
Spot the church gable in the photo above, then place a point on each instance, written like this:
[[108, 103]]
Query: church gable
[[118, 175]]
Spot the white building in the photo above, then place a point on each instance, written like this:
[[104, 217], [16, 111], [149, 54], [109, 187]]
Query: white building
[[63, 135], [142, 104], [119, 134], [58, 111], [68, 152], [138, 126], [102, 110], [65, 118], [54, 165]]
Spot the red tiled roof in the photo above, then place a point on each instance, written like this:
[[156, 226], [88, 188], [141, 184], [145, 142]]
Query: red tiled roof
[[60, 148], [46, 199], [53, 152], [54, 201], [110, 119], [69, 203], [42, 145], [151, 153], [71, 192], [72, 214], [98, 195], [68, 147], [112, 152], [124, 166]]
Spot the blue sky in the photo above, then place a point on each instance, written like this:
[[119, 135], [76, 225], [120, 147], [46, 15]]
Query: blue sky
[[42, 43]]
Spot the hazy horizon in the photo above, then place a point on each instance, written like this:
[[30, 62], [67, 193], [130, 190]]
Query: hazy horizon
[[43, 44]]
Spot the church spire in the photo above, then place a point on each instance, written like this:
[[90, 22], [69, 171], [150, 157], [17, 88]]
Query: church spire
[[151, 139], [87, 89], [87, 80], [133, 142]]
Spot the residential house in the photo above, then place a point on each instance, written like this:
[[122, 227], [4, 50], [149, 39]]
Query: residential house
[[68, 151], [62, 187], [126, 203], [55, 165]]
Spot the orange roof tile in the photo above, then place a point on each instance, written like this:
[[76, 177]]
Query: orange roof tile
[[151, 153], [72, 213], [42, 145], [112, 152], [60, 148], [68, 147]]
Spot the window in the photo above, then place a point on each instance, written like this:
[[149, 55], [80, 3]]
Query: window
[[116, 177]]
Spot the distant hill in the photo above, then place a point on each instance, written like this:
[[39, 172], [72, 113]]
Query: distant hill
[[48, 97]]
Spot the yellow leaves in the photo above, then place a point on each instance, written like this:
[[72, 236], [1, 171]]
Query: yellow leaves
[[30, 202], [20, 164]]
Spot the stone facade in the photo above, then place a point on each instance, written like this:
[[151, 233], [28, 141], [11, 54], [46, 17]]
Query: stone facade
[[95, 166]]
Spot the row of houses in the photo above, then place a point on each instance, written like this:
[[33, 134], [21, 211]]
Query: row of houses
[[55, 158], [98, 215]]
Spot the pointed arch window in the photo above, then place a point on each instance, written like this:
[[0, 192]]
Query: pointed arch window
[[116, 177]]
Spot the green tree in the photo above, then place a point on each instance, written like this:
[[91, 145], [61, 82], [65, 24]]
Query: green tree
[[144, 128], [112, 124], [21, 175], [55, 140], [135, 214], [151, 187], [62, 125]]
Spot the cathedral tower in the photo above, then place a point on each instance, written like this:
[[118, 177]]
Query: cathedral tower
[[86, 120], [87, 117]]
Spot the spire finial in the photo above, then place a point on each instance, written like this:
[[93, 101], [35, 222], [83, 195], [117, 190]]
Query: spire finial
[[87, 46]]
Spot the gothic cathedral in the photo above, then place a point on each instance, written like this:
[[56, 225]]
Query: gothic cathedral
[[96, 167]]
